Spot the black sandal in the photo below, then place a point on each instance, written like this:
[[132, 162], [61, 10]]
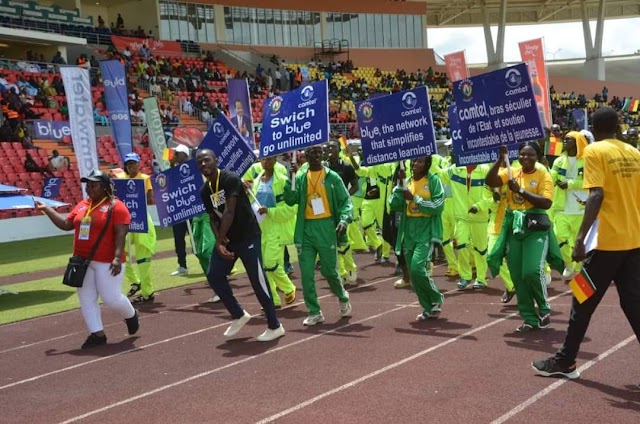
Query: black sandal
[[142, 299], [135, 288], [507, 296]]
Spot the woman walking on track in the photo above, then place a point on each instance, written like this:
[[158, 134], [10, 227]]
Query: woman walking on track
[[106, 270], [421, 204], [526, 238]]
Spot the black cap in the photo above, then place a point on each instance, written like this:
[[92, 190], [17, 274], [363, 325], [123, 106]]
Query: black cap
[[97, 176]]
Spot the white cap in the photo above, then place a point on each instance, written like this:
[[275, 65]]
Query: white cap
[[588, 135], [181, 148], [448, 142]]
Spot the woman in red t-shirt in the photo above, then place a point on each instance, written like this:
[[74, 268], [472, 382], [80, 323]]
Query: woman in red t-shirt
[[105, 273]]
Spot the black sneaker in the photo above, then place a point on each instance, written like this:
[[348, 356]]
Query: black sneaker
[[526, 328], [132, 323], [142, 299], [553, 367], [94, 340], [544, 321], [507, 296]]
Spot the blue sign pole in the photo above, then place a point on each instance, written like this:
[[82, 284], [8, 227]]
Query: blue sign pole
[[295, 120], [396, 127], [497, 108], [131, 192], [177, 193], [232, 150]]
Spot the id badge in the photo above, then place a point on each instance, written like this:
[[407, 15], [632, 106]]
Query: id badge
[[317, 206], [85, 229]]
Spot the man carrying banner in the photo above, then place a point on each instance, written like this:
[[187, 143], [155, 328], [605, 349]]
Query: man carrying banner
[[568, 197], [237, 236], [143, 243], [324, 211], [612, 175]]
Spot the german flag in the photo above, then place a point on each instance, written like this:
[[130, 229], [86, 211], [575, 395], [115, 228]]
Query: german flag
[[343, 142], [582, 286], [553, 147]]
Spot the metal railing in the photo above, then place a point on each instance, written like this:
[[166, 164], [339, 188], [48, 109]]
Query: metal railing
[[93, 37]]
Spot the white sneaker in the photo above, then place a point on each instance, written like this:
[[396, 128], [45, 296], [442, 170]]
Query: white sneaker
[[345, 309], [180, 271], [214, 299], [547, 278], [237, 324], [313, 319], [568, 273], [270, 334], [400, 284], [352, 277]]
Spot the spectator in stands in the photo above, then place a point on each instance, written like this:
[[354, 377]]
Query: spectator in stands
[[119, 23], [28, 88], [209, 57], [57, 162], [58, 85], [100, 22], [632, 136], [30, 165], [278, 76], [6, 134], [150, 35], [259, 70], [137, 114], [58, 59], [104, 276], [99, 118], [94, 62], [144, 51]]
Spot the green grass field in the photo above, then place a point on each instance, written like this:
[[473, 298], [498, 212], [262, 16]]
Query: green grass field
[[48, 296]]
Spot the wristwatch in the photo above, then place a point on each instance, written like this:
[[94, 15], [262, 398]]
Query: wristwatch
[[521, 191]]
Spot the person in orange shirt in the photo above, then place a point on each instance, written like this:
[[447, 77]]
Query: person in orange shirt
[[612, 176]]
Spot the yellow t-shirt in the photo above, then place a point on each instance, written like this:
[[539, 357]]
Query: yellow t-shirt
[[316, 190], [614, 166], [418, 188], [538, 182]]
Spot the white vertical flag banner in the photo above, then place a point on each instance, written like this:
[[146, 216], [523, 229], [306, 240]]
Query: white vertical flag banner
[[83, 132]]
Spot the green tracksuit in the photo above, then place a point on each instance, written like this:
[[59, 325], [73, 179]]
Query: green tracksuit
[[526, 252], [417, 235], [276, 232], [317, 237], [203, 239]]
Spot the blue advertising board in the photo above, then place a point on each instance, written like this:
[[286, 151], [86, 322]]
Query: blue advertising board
[[51, 187], [497, 108], [396, 127], [114, 81], [476, 157], [295, 120], [177, 193], [131, 192], [233, 152]]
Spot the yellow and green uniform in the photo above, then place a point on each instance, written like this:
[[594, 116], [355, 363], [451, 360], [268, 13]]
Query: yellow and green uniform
[[277, 231], [525, 249], [419, 230], [323, 202], [380, 176], [144, 245], [568, 212], [495, 224], [468, 190]]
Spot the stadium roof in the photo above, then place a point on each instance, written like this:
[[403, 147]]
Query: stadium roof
[[471, 12]]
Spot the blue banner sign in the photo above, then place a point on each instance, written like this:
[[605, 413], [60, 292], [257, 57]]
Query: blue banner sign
[[131, 192], [114, 81], [396, 127], [177, 193], [497, 108], [475, 157], [580, 116], [233, 152], [295, 120], [51, 187]]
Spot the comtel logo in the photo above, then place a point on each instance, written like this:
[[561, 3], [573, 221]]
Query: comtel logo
[[185, 171], [513, 78], [307, 93], [409, 100], [217, 129]]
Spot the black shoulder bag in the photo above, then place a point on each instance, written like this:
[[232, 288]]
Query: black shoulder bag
[[77, 266]]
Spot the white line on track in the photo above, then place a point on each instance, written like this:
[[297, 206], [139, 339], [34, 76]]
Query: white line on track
[[159, 342], [542, 393], [388, 368]]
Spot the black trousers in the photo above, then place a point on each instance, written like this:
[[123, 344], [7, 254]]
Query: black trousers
[[621, 267], [179, 233]]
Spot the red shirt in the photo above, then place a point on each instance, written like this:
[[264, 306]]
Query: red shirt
[[106, 250]]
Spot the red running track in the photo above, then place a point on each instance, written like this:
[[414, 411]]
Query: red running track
[[378, 366]]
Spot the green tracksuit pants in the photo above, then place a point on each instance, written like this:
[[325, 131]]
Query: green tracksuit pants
[[143, 246], [526, 260], [354, 230], [566, 228], [448, 232], [472, 240], [203, 239], [273, 263], [417, 249], [504, 269], [319, 240]]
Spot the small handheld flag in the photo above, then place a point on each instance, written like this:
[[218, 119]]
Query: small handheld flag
[[343, 142], [582, 286], [553, 147], [167, 154]]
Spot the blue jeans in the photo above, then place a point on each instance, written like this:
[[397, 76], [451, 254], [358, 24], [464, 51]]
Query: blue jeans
[[249, 252]]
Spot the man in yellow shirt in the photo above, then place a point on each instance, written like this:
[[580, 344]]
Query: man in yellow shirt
[[612, 176]]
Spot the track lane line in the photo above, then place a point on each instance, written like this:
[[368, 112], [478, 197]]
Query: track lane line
[[159, 342], [542, 393]]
